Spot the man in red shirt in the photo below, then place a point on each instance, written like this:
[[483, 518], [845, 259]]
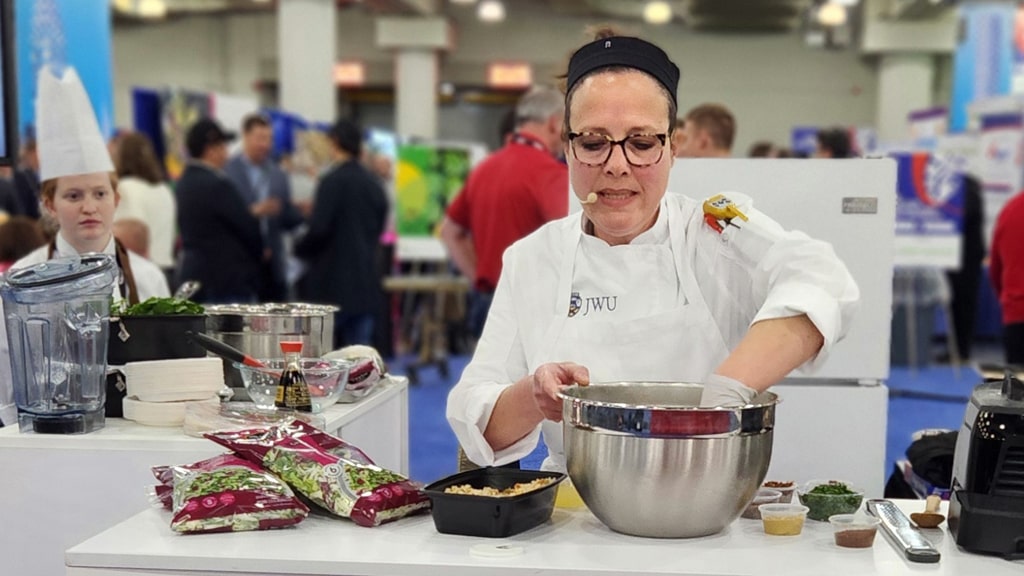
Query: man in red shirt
[[1006, 269], [508, 196]]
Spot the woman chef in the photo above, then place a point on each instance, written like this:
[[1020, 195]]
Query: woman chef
[[79, 190], [644, 286]]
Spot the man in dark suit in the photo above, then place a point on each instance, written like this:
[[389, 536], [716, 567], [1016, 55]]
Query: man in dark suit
[[340, 248], [220, 233], [259, 180]]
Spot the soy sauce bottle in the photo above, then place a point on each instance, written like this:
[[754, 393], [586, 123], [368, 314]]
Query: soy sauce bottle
[[292, 391]]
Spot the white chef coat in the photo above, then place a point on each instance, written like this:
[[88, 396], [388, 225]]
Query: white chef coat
[[669, 306], [149, 281]]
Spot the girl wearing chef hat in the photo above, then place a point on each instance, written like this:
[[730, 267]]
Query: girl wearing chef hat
[[644, 285], [78, 190], [79, 186]]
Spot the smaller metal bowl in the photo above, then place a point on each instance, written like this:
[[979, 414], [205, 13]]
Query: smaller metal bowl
[[327, 381]]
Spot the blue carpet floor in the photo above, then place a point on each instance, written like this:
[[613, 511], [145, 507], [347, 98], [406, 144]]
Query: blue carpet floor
[[932, 397]]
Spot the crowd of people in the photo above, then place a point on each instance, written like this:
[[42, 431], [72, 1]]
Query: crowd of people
[[229, 222]]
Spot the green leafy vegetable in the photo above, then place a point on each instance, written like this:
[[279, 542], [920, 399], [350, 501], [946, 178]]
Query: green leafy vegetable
[[157, 306], [833, 487], [831, 498]]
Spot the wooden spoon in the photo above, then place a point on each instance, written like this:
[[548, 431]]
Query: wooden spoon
[[930, 518]]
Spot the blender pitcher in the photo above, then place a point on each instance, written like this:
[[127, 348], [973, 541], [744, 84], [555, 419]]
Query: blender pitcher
[[57, 318]]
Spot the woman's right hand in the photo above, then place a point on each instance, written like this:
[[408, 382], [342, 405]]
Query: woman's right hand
[[549, 379]]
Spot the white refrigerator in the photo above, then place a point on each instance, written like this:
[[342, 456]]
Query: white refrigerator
[[832, 424]]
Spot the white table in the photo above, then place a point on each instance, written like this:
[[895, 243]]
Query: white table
[[572, 543], [56, 491]]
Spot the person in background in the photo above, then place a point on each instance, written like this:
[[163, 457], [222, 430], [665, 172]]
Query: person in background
[[1006, 270], [220, 233], [833, 143], [507, 127], [146, 197], [708, 132], [643, 285], [19, 236], [340, 248], [133, 234], [265, 188], [507, 196], [9, 203], [965, 282], [26, 179], [79, 191], [762, 149]]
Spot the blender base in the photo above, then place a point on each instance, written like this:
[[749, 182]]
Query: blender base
[[80, 423]]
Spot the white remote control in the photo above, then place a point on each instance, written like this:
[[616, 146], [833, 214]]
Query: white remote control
[[902, 533]]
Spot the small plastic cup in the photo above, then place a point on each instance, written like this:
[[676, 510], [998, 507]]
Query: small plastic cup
[[567, 497], [763, 496], [853, 531], [786, 488], [783, 519]]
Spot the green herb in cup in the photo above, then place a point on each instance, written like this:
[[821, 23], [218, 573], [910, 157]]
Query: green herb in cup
[[830, 498]]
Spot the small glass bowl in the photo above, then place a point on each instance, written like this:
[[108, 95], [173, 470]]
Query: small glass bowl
[[852, 531], [783, 519], [763, 496], [326, 380], [824, 505], [787, 490]]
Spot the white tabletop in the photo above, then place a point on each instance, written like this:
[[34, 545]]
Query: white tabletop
[[572, 543], [121, 434]]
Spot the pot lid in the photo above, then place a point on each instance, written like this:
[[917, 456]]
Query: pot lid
[[61, 271], [271, 309]]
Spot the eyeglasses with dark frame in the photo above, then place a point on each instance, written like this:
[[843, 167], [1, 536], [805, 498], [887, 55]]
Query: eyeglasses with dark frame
[[594, 149]]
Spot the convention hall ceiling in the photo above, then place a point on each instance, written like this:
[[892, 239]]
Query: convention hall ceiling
[[712, 15]]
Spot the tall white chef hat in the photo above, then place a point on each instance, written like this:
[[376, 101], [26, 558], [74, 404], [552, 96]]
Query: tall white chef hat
[[67, 135]]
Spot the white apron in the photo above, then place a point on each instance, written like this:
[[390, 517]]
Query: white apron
[[681, 344]]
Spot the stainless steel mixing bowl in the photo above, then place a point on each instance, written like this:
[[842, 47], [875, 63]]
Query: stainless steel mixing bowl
[[648, 462]]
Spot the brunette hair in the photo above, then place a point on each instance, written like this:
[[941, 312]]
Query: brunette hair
[[253, 120], [18, 237], [717, 121], [136, 157]]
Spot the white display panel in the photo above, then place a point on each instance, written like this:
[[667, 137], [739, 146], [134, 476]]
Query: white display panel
[[808, 195]]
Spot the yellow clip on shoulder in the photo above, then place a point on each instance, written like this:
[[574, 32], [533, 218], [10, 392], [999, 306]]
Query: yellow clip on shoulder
[[721, 208]]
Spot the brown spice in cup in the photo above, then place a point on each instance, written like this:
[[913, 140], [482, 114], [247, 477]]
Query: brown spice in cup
[[856, 538]]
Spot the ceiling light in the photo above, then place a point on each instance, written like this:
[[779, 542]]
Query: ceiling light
[[462, 1], [123, 5], [849, 2], [832, 15], [152, 9], [490, 11], [657, 12]]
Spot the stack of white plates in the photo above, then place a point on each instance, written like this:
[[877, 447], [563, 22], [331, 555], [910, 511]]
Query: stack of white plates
[[174, 380], [158, 391], [159, 413]]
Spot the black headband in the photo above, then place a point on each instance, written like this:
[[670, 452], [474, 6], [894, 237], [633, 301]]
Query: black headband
[[628, 52]]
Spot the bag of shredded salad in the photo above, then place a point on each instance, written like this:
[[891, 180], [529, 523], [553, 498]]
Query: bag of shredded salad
[[328, 471], [228, 494]]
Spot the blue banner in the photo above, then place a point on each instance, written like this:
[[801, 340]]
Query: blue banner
[[983, 62], [61, 33], [929, 210], [930, 195]]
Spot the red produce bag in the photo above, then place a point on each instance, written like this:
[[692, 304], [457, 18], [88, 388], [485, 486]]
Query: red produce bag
[[330, 472], [227, 494]]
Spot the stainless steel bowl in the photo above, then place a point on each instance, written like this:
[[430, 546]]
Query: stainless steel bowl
[[648, 462]]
